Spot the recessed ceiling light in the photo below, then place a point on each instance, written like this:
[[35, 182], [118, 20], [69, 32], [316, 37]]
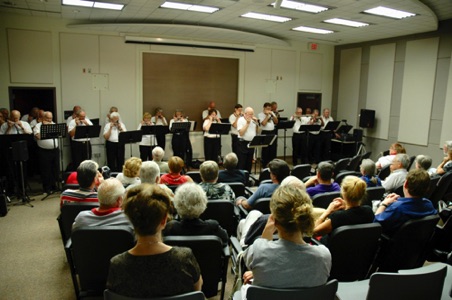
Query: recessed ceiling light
[[389, 12], [265, 17], [108, 5], [301, 6], [103, 5], [190, 7], [312, 30], [346, 22]]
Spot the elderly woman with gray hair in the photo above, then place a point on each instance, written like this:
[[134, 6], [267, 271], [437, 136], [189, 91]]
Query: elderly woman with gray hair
[[190, 202], [368, 170], [446, 165]]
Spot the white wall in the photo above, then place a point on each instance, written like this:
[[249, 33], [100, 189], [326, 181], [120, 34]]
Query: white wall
[[268, 74]]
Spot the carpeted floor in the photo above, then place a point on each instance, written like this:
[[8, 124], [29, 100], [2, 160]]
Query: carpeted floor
[[32, 260]]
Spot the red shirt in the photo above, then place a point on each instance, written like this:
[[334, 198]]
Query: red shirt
[[174, 179]]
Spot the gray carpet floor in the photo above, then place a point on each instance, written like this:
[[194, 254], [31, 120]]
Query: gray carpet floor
[[32, 260]]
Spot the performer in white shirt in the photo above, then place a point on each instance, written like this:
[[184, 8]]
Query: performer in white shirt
[[180, 141], [81, 148], [160, 120], [211, 141], [48, 154], [325, 136], [247, 126], [299, 138], [268, 121], [314, 138], [115, 149], [148, 141], [14, 125], [233, 118]]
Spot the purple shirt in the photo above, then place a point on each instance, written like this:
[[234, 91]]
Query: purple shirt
[[323, 188]]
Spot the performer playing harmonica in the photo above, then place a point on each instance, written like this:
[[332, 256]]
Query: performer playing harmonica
[[299, 139], [233, 118], [247, 126], [268, 121]]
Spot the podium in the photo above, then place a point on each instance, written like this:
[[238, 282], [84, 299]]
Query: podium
[[285, 124], [219, 129], [55, 131], [261, 141], [86, 132], [130, 137]]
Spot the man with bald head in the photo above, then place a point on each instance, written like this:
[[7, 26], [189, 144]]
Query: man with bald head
[[75, 109], [48, 155], [247, 126], [14, 125], [205, 113], [81, 148]]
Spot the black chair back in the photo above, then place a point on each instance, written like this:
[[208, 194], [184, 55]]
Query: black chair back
[[341, 165], [92, 249], [324, 292], [423, 283], [69, 212], [353, 245], [238, 188], [409, 246], [384, 172], [399, 191], [366, 155], [301, 171], [353, 165], [223, 212], [195, 175], [212, 259], [443, 185], [373, 193], [324, 199], [412, 158], [109, 295], [265, 174], [342, 175], [432, 187], [262, 205]]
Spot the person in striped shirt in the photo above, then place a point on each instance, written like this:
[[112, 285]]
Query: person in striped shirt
[[88, 176]]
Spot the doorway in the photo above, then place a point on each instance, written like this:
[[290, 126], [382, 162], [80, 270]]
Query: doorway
[[24, 99]]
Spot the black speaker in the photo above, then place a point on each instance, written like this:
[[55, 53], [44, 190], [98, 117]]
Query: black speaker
[[358, 135], [367, 118], [20, 150]]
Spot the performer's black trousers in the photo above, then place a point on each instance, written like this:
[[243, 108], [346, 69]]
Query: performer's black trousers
[[48, 163], [115, 156]]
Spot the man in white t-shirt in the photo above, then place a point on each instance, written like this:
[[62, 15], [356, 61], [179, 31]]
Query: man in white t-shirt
[[81, 148], [233, 118], [247, 126], [268, 121], [205, 113]]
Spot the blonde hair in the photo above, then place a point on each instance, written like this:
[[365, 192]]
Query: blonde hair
[[292, 209], [209, 171], [147, 115], [353, 189], [131, 167]]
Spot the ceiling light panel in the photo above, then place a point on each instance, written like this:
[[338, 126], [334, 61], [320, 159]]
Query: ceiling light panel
[[108, 5], [190, 7], [78, 3], [344, 22], [312, 30], [265, 17], [301, 6], [389, 12]]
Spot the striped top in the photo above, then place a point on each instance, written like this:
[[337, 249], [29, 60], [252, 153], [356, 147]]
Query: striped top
[[81, 195]]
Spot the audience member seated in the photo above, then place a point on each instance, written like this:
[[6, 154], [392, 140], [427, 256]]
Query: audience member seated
[[279, 170], [288, 262], [424, 162], [368, 170], [87, 176], [322, 182], [174, 177], [394, 149], [395, 210], [151, 268], [446, 165], [130, 172], [190, 202], [110, 195], [231, 173], [250, 228], [398, 174], [214, 190], [157, 155], [150, 173], [346, 210]]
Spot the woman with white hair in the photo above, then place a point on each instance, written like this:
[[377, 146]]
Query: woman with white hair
[[446, 165], [190, 202], [115, 149], [368, 170]]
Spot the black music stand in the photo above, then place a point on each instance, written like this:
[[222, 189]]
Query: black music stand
[[20, 154], [308, 129], [219, 129], [332, 125], [285, 124], [55, 131], [86, 132], [155, 130], [180, 127], [343, 130], [130, 137], [261, 141], [225, 120]]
